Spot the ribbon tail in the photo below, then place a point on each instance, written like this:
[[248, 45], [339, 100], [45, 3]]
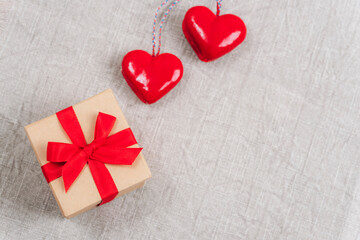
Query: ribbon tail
[[72, 169], [103, 180]]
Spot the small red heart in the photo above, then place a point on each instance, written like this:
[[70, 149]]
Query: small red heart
[[212, 36], [151, 77]]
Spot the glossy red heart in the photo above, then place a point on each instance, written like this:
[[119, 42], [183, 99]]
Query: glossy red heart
[[151, 77], [212, 36]]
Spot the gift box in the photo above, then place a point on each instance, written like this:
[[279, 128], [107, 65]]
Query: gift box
[[88, 154]]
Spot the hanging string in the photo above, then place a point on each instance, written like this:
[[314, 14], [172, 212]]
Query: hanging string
[[154, 26], [161, 25], [218, 7]]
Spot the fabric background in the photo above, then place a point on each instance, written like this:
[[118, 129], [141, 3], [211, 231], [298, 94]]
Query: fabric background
[[260, 144]]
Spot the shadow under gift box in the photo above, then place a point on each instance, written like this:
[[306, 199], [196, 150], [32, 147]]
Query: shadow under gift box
[[83, 194]]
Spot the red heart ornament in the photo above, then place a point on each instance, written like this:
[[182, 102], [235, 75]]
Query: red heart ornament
[[151, 77], [212, 36]]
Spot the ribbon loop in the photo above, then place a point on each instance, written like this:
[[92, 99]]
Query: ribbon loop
[[104, 124], [52, 171], [71, 125], [124, 138], [60, 152], [122, 156]]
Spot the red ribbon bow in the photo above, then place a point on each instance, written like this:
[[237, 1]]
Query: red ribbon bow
[[67, 160]]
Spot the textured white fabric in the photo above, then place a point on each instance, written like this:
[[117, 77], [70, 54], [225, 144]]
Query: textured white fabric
[[260, 144]]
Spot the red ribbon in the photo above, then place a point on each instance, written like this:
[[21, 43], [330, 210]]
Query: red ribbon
[[68, 160]]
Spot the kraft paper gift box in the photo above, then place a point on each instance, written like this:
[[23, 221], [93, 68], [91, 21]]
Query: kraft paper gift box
[[83, 193]]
